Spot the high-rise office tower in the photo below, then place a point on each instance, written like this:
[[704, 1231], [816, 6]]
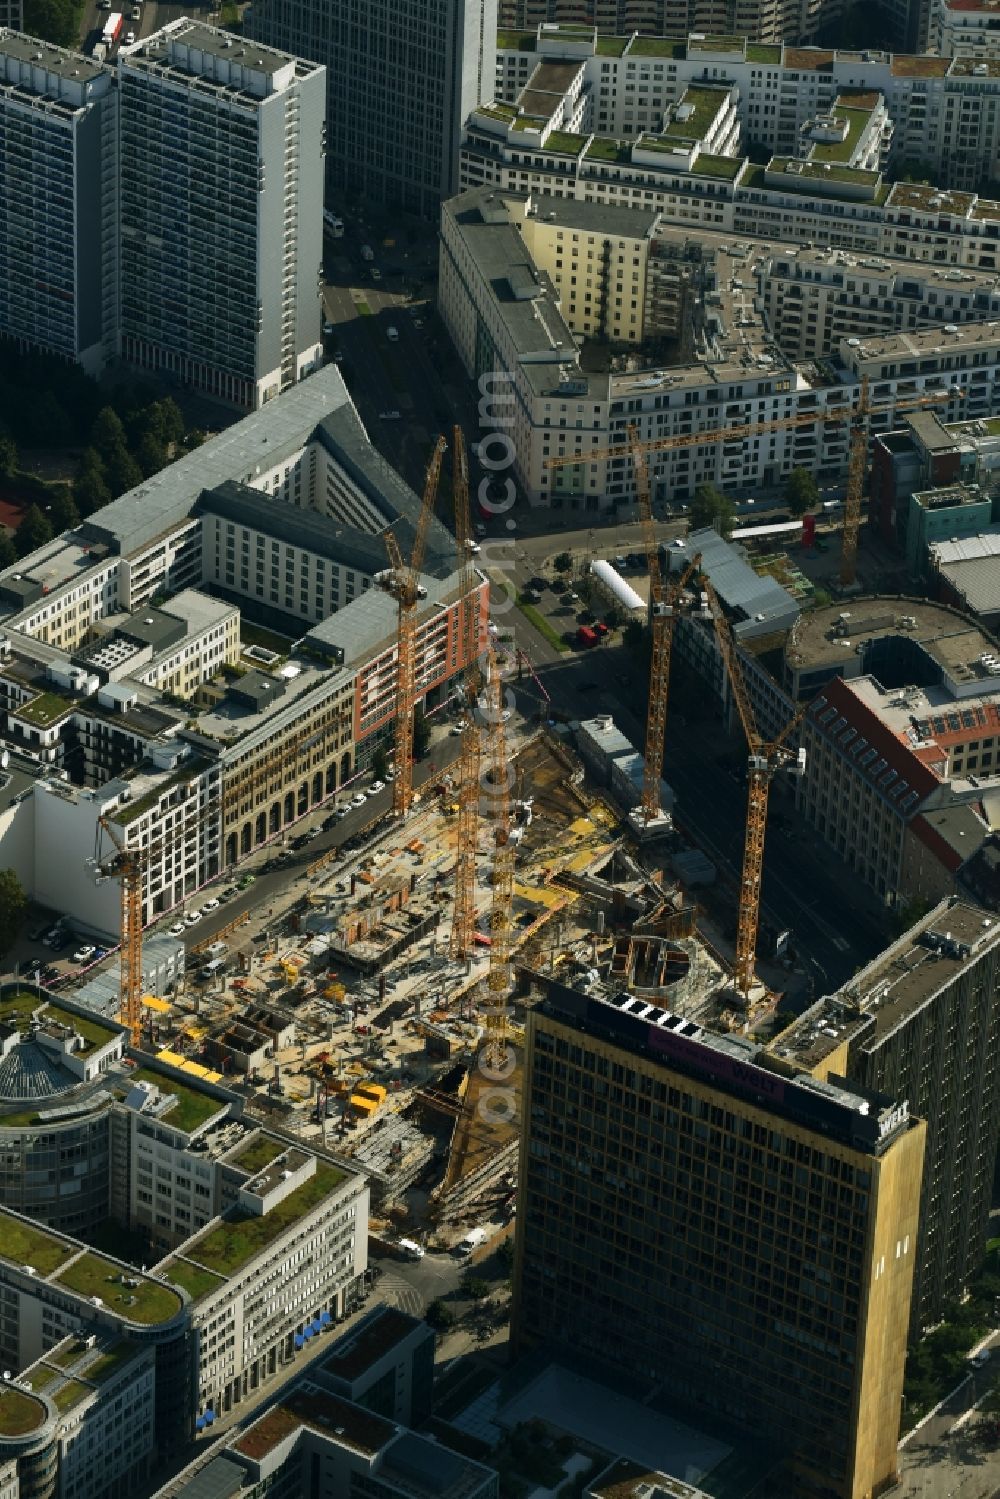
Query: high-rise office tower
[[221, 212], [403, 75], [697, 1213], [58, 167], [922, 1022]]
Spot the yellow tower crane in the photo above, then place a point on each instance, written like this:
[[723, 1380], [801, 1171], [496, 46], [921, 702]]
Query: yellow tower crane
[[498, 982], [463, 924], [663, 614], [402, 582], [858, 415], [764, 762]]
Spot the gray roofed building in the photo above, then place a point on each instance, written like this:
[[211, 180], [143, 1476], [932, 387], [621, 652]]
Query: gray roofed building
[[371, 621], [765, 607], [220, 1478], [969, 570], [242, 452]]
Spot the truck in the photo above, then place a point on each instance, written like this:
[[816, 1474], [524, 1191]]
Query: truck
[[113, 28], [586, 637]]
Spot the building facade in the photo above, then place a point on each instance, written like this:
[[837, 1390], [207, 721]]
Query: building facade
[[221, 212], [732, 1231], [58, 161], [402, 79], [923, 1021]]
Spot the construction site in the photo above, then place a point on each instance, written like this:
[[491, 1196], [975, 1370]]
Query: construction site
[[379, 1007]]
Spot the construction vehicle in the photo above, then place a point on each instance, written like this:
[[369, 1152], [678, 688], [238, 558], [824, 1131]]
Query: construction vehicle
[[470, 756], [663, 612], [764, 762], [402, 582], [858, 415]]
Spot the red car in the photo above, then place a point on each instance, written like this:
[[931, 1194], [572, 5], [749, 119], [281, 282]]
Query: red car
[[601, 628]]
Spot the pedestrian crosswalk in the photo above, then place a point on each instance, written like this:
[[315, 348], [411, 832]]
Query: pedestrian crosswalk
[[398, 1292]]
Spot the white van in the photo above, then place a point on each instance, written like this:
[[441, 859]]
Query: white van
[[410, 1250], [392, 334]]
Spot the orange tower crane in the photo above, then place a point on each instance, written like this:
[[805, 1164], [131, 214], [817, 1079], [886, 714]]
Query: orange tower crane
[[858, 415], [463, 924], [663, 614], [127, 866], [765, 760], [498, 982], [402, 582]]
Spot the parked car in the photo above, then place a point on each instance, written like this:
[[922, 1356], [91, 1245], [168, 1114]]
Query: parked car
[[389, 416], [300, 841], [84, 954], [210, 905], [341, 812], [192, 918], [392, 334], [359, 799], [229, 892], [313, 833], [376, 786], [129, 38], [178, 929], [245, 881]]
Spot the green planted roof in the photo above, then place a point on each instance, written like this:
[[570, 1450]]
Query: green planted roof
[[240, 1237], [841, 151], [147, 1303], [20, 1413], [193, 1107], [23, 1244], [193, 1279]]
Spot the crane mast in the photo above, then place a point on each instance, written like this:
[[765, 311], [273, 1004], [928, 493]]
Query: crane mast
[[402, 582], [498, 982], [663, 616], [464, 913], [763, 763]]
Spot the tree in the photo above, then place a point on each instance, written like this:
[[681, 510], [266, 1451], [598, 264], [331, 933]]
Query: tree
[[90, 490], [8, 553], [612, 618], [563, 563], [123, 472], [505, 1257], [170, 420], [13, 904], [712, 508], [33, 532], [439, 1315], [801, 491], [380, 764], [150, 454], [62, 511], [107, 434], [8, 457], [475, 1287], [421, 734], [55, 21]]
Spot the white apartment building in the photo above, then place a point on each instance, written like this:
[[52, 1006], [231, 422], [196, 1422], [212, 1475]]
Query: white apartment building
[[970, 28], [944, 110], [221, 211], [402, 75], [256, 1293], [507, 321], [58, 144]]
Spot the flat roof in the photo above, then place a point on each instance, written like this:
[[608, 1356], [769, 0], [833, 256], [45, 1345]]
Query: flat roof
[[59, 61], [327, 1415], [741, 1068], [894, 986], [164, 501], [310, 530], [228, 1245], [374, 1337], [628, 1480], [596, 218], [160, 49], [949, 637]]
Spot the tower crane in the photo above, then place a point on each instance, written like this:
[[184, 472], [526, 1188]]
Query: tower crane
[[464, 913], [127, 865], [402, 582], [858, 414], [663, 614], [498, 977], [764, 762]]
